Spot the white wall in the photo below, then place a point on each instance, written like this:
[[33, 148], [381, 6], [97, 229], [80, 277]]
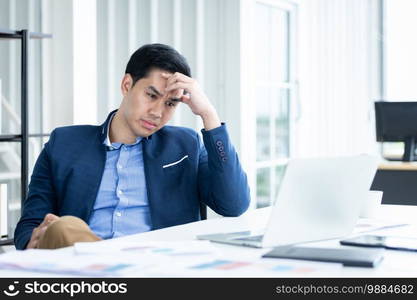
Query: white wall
[[85, 61], [400, 50], [69, 64], [338, 77]]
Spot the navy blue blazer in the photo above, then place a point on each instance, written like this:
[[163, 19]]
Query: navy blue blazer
[[67, 176]]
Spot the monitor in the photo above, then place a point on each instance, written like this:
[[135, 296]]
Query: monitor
[[397, 122]]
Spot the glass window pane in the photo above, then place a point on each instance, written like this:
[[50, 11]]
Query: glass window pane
[[10, 162], [263, 185], [400, 61], [262, 29], [35, 147], [279, 51], [263, 125], [281, 100], [34, 83], [279, 174], [272, 46]]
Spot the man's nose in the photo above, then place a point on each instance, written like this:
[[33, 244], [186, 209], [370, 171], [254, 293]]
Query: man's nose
[[157, 108]]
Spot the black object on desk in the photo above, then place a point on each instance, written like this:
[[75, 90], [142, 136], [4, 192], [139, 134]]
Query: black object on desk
[[348, 257], [399, 185], [397, 122]]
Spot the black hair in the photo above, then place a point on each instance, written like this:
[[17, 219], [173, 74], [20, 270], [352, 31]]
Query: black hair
[[159, 56]]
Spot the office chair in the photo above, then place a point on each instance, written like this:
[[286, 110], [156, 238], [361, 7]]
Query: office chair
[[203, 211]]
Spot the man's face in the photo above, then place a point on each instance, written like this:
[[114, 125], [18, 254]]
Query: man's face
[[146, 107]]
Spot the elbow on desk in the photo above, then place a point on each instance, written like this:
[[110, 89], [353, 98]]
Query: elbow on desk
[[237, 205], [22, 239]]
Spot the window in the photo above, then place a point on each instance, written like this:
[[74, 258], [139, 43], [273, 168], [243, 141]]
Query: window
[[399, 58], [274, 93]]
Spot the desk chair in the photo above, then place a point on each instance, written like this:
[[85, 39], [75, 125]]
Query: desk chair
[[203, 211]]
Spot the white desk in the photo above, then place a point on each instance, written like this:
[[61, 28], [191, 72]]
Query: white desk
[[395, 263]]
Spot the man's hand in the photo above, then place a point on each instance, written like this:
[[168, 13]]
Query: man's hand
[[39, 231], [187, 90]]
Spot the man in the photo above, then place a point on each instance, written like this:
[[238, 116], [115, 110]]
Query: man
[[134, 174]]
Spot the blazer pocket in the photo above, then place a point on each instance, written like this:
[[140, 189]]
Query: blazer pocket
[[175, 164]]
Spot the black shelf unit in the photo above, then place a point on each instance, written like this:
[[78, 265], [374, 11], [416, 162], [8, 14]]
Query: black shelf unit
[[24, 36]]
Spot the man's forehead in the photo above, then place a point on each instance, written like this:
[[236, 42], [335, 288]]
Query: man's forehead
[[155, 79], [157, 73], [154, 89]]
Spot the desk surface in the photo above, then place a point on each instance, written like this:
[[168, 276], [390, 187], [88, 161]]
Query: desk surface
[[395, 263]]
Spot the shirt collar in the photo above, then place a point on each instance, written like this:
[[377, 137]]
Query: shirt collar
[[115, 146]]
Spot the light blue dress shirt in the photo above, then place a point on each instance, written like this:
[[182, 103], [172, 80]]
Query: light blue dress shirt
[[121, 206]]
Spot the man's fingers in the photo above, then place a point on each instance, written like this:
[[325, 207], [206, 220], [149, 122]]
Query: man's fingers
[[172, 78], [177, 85], [39, 231], [36, 234], [32, 244], [49, 218], [186, 97], [178, 93], [179, 76]]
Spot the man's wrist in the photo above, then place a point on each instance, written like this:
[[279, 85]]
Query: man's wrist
[[210, 119]]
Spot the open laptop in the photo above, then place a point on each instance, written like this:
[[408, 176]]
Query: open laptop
[[319, 199]]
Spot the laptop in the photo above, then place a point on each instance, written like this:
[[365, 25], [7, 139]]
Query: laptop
[[319, 199]]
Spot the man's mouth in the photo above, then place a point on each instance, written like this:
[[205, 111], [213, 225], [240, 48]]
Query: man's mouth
[[148, 125]]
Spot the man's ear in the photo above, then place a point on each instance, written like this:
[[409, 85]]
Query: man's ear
[[127, 83]]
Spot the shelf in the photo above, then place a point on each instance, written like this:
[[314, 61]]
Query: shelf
[[10, 137], [17, 34], [24, 36], [6, 241], [9, 176]]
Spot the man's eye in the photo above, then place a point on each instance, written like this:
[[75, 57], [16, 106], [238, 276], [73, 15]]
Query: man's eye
[[169, 103], [153, 96]]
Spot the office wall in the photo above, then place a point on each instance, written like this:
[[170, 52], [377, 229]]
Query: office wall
[[69, 62], [338, 69]]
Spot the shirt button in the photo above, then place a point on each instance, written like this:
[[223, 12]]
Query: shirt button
[[119, 214], [120, 192], [119, 166]]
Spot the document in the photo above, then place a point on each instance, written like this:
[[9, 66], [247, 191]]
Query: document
[[105, 259], [368, 225], [190, 258]]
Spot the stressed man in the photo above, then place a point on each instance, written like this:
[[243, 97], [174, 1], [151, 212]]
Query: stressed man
[[133, 173]]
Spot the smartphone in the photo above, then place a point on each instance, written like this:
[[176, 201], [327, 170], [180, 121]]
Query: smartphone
[[387, 242]]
